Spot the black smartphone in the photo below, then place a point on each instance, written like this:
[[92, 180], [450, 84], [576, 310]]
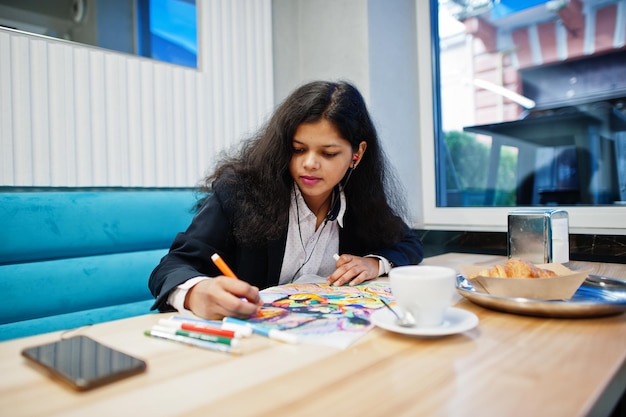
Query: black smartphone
[[83, 363]]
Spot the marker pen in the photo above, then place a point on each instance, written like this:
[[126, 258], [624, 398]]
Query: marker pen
[[243, 331], [219, 347], [199, 328], [224, 268], [275, 334], [200, 333], [219, 262]]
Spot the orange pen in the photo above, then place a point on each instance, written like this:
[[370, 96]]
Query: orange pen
[[217, 260]]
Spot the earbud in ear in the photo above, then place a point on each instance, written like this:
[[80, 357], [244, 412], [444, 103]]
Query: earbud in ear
[[355, 159]]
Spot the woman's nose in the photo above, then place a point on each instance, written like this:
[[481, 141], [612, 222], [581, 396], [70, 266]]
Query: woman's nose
[[311, 161]]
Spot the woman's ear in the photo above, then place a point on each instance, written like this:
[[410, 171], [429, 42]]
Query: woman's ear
[[359, 153], [356, 157]]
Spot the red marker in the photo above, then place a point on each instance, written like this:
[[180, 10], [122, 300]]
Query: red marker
[[198, 329]]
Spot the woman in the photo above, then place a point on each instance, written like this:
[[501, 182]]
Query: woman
[[312, 184]]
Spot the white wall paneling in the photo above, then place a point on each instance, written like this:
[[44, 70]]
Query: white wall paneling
[[74, 115]]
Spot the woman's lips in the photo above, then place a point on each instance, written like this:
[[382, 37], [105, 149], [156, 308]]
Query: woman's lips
[[310, 180]]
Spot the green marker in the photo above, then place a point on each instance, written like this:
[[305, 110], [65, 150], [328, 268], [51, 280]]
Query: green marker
[[195, 335]]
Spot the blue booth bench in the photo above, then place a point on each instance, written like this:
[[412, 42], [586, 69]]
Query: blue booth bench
[[74, 257]]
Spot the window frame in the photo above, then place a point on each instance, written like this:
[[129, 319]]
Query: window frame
[[582, 219]]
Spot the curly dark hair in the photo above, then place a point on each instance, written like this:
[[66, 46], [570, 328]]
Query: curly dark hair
[[260, 170]]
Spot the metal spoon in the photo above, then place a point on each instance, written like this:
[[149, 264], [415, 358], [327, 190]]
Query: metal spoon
[[406, 320]]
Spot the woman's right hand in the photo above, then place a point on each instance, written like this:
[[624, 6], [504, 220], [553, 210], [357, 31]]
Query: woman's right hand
[[222, 296]]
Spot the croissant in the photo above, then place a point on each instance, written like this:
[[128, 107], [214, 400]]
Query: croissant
[[515, 268]]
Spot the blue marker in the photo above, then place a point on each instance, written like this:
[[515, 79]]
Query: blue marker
[[275, 334]]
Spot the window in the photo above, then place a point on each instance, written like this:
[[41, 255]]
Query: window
[[167, 31], [529, 109], [161, 29]]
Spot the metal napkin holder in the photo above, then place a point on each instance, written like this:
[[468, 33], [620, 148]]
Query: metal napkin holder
[[538, 236]]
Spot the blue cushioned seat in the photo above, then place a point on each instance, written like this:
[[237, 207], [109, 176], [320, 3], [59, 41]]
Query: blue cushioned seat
[[70, 258]]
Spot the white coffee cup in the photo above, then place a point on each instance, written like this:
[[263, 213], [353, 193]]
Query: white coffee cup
[[424, 291]]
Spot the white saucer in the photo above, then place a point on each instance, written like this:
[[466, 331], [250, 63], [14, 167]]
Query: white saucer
[[456, 320]]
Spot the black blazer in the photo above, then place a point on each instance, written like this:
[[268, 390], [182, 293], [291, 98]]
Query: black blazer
[[211, 232]]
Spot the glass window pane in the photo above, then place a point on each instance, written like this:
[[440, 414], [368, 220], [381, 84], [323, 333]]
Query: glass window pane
[[167, 31], [161, 29], [532, 102]]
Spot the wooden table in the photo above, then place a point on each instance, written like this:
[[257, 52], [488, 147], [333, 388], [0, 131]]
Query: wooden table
[[510, 365]]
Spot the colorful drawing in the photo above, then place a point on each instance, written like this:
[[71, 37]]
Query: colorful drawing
[[320, 313]]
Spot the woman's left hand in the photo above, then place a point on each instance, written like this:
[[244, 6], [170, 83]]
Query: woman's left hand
[[353, 270]]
